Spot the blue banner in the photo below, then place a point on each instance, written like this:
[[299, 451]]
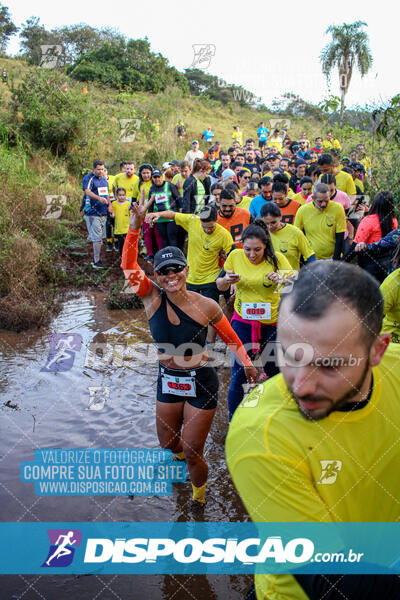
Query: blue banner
[[192, 548]]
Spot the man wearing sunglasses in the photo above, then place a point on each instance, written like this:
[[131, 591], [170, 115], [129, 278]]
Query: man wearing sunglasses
[[187, 388]]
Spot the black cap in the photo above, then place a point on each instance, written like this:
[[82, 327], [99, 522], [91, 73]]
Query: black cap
[[175, 162], [170, 255], [299, 161], [274, 156], [156, 173]]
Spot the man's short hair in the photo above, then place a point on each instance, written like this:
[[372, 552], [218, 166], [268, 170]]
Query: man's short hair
[[281, 177], [208, 213], [321, 188], [321, 284], [97, 163], [278, 186], [264, 181], [325, 159]]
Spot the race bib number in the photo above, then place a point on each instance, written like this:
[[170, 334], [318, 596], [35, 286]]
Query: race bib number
[[161, 198], [178, 386], [102, 191], [256, 311]]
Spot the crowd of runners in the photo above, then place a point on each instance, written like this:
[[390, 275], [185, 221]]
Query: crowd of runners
[[253, 245]]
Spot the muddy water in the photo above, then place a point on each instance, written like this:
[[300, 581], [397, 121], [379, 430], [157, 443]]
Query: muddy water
[[55, 410]]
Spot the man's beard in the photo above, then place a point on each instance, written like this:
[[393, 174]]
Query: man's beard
[[338, 404]]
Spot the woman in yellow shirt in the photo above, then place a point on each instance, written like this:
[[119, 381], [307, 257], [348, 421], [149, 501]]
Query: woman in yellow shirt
[[259, 275], [390, 289]]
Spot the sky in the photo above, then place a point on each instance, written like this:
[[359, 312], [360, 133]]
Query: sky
[[267, 51]]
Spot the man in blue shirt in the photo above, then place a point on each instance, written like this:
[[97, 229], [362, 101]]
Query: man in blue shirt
[[262, 134], [96, 209], [265, 185], [303, 151], [208, 135]]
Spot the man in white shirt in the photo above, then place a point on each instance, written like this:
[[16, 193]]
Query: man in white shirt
[[194, 153]]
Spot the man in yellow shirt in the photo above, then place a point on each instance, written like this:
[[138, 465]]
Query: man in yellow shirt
[[126, 180], [344, 181], [323, 223], [237, 135], [318, 442], [330, 142], [207, 241], [390, 288]]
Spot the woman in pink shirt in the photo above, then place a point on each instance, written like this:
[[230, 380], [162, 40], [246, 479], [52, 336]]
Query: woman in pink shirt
[[379, 221]]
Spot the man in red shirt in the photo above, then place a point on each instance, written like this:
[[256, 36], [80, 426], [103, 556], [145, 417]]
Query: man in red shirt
[[232, 217], [288, 207]]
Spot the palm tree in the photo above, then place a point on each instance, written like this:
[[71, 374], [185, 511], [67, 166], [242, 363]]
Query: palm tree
[[349, 46]]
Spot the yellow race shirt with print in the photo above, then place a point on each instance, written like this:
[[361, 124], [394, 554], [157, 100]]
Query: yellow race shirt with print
[[121, 212], [321, 226], [254, 285], [292, 243], [390, 289], [128, 183], [337, 469], [203, 248]]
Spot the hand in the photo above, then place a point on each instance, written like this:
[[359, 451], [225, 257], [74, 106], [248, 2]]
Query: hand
[[151, 218], [231, 277], [251, 374], [138, 212], [360, 247], [274, 277], [112, 214]]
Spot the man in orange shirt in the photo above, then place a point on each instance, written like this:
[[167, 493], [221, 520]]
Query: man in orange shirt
[[288, 207], [232, 217]]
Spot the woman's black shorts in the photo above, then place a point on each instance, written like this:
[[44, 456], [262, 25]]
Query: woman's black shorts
[[198, 387]]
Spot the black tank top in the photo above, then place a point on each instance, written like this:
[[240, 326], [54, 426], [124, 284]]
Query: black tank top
[[180, 340]]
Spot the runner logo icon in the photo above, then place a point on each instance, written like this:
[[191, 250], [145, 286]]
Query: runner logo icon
[[62, 547], [329, 471]]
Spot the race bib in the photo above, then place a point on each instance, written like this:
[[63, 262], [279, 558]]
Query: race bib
[[256, 311], [102, 191], [178, 386], [161, 198]]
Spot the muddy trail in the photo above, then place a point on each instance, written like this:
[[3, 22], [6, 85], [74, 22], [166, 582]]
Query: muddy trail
[[56, 410]]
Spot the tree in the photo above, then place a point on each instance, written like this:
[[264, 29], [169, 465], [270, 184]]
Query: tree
[[32, 37], [348, 48], [7, 28]]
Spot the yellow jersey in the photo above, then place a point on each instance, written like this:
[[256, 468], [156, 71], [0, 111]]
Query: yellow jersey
[[203, 248], [121, 212], [292, 243], [321, 226], [300, 198], [137, 193], [178, 180], [237, 136], [337, 469], [110, 179], [254, 285], [328, 144], [128, 183], [390, 289]]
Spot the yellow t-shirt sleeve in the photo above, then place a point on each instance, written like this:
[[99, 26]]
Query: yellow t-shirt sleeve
[[388, 297], [228, 242], [341, 221], [350, 187], [228, 265], [183, 220], [305, 246], [298, 220]]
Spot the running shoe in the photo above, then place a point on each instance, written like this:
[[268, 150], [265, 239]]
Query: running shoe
[[98, 265], [109, 247]]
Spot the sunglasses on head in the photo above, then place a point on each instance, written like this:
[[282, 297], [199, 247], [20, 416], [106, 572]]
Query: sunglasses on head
[[174, 268]]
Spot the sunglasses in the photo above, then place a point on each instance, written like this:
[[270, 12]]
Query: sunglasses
[[174, 268]]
